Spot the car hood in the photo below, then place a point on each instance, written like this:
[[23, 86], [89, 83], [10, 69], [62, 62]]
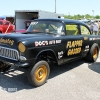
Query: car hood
[[14, 38]]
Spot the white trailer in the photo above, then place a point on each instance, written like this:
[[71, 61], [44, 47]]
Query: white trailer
[[23, 15]]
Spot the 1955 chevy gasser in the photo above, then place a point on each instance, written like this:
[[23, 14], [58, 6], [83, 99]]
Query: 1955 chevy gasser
[[45, 42]]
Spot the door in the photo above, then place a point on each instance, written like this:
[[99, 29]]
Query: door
[[73, 42], [86, 33]]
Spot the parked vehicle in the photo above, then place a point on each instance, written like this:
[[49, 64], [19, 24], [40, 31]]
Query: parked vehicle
[[48, 41], [6, 26]]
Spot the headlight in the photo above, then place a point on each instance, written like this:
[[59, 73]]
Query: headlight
[[21, 47]]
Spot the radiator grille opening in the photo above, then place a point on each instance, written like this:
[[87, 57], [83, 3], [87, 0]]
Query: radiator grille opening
[[9, 53]]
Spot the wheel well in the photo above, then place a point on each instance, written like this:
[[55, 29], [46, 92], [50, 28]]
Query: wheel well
[[97, 45], [0, 32], [92, 55], [48, 56]]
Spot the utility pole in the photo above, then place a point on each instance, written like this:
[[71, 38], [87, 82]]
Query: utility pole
[[55, 6], [93, 13]]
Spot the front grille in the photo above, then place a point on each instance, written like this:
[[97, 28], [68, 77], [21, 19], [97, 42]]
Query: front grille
[[9, 53]]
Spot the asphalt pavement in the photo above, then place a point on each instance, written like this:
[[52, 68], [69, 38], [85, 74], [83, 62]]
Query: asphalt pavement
[[78, 80]]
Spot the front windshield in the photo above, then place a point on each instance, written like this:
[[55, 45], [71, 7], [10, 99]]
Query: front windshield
[[46, 27]]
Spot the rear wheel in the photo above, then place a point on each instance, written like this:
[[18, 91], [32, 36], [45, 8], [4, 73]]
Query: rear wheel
[[39, 74], [0, 32], [93, 53]]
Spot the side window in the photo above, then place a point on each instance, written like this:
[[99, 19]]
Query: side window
[[84, 30], [72, 29]]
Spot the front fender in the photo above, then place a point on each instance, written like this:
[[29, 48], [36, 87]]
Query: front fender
[[47, 50]]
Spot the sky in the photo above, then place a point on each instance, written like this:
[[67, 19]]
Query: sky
[[66, 7]]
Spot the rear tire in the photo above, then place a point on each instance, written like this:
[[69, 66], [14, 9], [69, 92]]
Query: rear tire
[[93, 53], [39, 74]]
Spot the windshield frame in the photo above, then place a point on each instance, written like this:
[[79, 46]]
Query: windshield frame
[[51, 27]]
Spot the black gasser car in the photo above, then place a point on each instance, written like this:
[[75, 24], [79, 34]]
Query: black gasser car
[[48, 41]]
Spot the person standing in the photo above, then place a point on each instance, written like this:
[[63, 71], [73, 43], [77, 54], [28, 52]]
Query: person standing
[[99, 28], [95, 28], [91, 27]]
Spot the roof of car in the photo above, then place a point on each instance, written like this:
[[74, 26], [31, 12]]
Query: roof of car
[[63, 20]]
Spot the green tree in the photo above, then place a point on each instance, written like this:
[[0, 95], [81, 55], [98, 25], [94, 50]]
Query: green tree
[[97, 17], [78, 16]]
